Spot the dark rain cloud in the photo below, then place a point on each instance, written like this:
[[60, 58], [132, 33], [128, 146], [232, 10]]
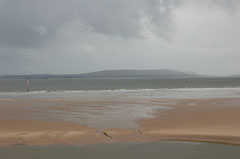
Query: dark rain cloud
[[74, 36], [32, 23]]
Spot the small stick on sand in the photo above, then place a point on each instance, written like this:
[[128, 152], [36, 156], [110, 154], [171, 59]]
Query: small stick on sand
[[106, 134], [139, 131]]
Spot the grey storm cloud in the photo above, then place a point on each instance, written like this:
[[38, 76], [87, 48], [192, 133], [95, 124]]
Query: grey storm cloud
[[229, 5], [74, 36], [31, 23]]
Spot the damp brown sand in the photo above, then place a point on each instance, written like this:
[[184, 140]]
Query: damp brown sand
[[214, 120], [205, 121]]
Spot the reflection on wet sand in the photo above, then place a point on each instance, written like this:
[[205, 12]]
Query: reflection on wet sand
[[121, 116]]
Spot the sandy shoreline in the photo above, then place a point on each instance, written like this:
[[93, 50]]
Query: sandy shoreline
[[191, 119]]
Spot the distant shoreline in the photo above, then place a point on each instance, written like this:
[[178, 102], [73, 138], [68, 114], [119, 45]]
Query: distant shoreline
[[161, 73]]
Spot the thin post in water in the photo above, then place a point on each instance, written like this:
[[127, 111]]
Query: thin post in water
[[28, 85]]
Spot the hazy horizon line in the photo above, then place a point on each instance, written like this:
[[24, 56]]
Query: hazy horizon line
[[189, 72]]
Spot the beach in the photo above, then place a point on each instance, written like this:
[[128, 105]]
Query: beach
[[103, 119]]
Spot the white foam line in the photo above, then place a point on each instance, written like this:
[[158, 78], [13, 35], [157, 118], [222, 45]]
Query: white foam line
[[121, 90], [5, 99]]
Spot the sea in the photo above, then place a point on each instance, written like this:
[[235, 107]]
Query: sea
[[93, 101], [116, 84]]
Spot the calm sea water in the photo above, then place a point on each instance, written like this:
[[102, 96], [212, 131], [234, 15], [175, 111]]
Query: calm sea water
[[114, 84], [158, 150]]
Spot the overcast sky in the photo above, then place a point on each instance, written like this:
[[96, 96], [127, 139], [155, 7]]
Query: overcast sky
[[76, 36]]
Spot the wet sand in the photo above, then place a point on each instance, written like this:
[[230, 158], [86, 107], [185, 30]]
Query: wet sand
[[205, 121], [213, 120]]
